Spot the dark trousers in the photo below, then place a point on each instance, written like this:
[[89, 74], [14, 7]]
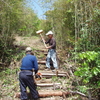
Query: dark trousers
[[26, 80]]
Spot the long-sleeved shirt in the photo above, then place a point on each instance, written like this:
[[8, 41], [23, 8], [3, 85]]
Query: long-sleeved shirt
[[52, 43], [29, 62]]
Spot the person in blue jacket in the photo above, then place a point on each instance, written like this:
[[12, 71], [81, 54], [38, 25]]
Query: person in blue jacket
[[28, 66]]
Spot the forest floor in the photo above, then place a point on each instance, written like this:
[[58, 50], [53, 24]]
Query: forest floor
[[9, 83]]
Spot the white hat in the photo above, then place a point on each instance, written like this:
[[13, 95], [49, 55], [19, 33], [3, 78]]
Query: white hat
[[39, 31], [28, 49], [50, 32]]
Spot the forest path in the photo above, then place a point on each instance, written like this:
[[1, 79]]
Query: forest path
[[50, 82], [53, 83]]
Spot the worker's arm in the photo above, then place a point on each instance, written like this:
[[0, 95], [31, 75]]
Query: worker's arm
[[48, 47], [46, 42]]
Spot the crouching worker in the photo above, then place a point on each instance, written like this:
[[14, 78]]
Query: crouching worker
[[29, 62]]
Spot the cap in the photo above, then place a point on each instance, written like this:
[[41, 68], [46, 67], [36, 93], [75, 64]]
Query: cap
[[28, 49], [50, 32]]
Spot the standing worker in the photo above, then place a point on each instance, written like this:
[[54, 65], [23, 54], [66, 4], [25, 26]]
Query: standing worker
[[28, 67], [51, 51]]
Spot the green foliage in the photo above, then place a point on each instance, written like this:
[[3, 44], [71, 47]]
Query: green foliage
[[54, 78], [60, 19], [15, 19], [82, 89], [89, 67], [19, 56], [30, 23], [87, 25]]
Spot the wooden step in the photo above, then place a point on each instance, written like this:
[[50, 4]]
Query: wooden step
[[44, 81], [51, 73], [42, 50], [47, 93], [48, 84], [52, 93], [41, 62]]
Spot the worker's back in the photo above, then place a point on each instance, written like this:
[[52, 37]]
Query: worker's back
[[29, 62]]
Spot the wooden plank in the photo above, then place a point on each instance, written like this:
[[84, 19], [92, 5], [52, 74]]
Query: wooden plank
[[41, 62], [56, 72], [48, 84], [53, 74], [44, 81], [42, 50], [52, 71]]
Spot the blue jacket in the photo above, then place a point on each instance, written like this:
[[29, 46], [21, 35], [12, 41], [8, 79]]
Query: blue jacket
[[29, 62]]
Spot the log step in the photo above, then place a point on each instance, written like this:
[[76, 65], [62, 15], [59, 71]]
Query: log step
[[54, 73], [48, 84], [42, 50], [50, 74], [43, 81], [51, 71], [41, 62], [45, 93]]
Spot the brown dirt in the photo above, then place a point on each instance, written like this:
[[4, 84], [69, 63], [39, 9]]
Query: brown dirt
[[34, 42]]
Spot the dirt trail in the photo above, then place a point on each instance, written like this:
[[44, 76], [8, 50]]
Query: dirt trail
[[50, 80], [37, 44], [34, 42]]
